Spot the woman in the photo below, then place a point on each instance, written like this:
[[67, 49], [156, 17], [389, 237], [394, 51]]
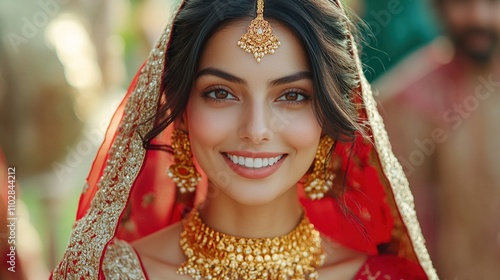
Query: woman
[[264, 158]]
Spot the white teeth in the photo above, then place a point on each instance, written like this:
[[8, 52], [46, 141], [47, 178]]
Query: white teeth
[[254, 162], [249, 162], [272, 161]]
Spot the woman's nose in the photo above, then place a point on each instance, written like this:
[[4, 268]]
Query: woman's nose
[[255, 123]]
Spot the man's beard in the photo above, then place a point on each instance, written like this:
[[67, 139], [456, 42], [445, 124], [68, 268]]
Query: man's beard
[[463, 41]]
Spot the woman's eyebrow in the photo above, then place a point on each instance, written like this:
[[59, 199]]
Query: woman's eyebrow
[[291, 78], [211, 71]]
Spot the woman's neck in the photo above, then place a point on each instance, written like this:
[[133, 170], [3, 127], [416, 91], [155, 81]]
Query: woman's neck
[[275, 218]]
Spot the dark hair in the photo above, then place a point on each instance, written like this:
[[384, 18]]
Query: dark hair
[[320, 25]]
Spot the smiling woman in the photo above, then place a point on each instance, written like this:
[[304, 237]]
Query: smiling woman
[[248, 147], [228, 116]]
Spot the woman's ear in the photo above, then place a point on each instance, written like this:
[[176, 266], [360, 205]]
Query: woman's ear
[[182, 122]]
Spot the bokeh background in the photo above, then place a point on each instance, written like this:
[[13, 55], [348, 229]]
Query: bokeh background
[[65, 65]]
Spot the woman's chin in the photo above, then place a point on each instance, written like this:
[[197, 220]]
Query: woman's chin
[[254, 196]]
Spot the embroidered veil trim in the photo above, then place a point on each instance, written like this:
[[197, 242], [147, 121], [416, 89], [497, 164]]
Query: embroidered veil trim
[[93, 232], [121, 262], [393, 170]]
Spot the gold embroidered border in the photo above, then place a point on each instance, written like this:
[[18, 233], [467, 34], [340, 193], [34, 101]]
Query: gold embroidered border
[[93, 232], [393, 170], [121, 262], [398, 181]]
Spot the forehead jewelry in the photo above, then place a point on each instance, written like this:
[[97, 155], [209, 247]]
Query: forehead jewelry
[[259, 38]]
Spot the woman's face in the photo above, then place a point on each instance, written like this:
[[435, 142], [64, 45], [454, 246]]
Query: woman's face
[[251, 125]]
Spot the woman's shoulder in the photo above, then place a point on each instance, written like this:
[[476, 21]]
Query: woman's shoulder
[[153, 257], [390, 267], [159, 254], [122, 262]]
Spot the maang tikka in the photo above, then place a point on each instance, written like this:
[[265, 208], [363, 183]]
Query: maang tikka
[[259, 38], [183, 171], [321, 179]]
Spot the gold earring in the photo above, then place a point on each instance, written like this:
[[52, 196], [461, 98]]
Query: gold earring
[[321, 179], [183, 172]]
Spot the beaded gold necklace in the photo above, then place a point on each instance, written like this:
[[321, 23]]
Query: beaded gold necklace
[[214, 255]]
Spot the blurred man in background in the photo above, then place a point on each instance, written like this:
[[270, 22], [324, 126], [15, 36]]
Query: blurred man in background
[[442, 110]]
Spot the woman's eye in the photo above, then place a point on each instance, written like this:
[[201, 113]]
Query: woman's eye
[[219, 94], [293, 97]]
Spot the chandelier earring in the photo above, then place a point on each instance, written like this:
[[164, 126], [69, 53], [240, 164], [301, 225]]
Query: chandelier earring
[[321, 179], [183, 171]]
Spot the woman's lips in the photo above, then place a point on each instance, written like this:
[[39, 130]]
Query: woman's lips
[[253, 165]]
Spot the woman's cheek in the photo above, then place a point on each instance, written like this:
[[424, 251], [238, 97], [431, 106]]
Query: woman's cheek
[[304, 130], [207, 123]]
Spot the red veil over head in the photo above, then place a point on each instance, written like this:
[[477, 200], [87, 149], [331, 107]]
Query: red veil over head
[[129, 195]]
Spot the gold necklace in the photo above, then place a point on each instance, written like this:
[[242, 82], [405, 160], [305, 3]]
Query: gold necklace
[[214, 255]]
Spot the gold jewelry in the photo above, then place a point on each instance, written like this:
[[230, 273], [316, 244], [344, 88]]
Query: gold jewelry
[[214, 255], [321, 179], [259, 38], [183, 172]]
